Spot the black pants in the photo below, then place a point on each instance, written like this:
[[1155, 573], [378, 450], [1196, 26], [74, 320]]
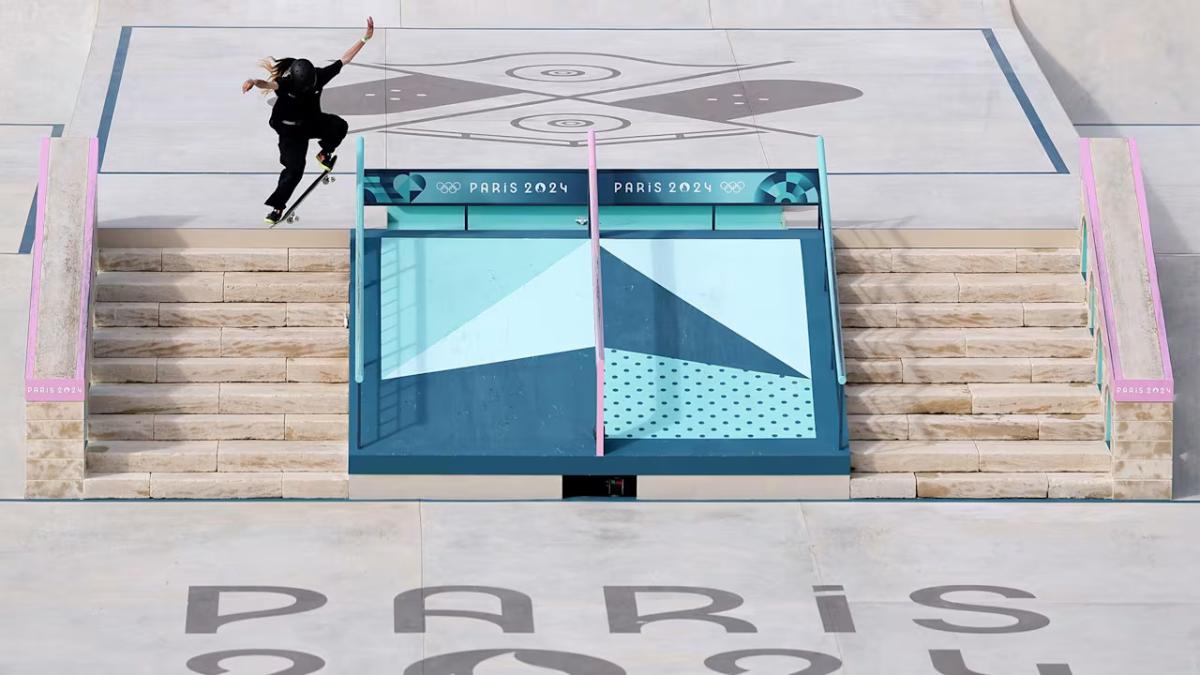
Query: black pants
[[328, 129]]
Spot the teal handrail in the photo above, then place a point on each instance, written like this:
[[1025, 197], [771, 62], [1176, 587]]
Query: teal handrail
[[831, 272], [358, 259]]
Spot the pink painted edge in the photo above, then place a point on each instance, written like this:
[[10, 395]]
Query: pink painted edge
[[35, 290], [1089, 190], [89, 224], [1151, 266], [597, 292]]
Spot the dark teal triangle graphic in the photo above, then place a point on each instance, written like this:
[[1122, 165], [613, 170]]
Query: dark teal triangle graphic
[[640, 315]]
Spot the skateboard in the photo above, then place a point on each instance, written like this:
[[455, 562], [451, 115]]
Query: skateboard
[[290, 216]]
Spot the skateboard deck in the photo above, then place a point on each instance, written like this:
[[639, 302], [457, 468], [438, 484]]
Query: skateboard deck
[[290, 215]]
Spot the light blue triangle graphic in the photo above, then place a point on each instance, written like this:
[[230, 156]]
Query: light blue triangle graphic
[[754, 287], [550, 314], [431, 286], [650, 396]]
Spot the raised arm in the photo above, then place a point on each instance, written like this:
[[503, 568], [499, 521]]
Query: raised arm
[[261, 84], [353, 51]]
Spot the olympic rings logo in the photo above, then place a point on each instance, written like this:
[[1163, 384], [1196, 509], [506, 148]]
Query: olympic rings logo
[[448, 188], [729, 187]]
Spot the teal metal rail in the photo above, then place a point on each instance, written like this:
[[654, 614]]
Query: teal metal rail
[[831, 271], [359, 252]]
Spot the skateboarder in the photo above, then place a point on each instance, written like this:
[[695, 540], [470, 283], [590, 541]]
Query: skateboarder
[[297, 116]]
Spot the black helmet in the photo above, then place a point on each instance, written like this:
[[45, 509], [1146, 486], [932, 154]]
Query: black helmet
[[303, 74]]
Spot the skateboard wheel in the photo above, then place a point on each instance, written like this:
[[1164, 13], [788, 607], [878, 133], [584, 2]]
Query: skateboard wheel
[[331, 179]]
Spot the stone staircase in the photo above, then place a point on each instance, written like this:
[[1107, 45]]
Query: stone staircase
[[219, 373], [971, 373]]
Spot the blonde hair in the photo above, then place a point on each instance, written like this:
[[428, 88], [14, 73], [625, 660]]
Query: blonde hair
[[275, 68]]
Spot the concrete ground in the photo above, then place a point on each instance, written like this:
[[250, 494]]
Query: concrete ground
[[1107, 589]]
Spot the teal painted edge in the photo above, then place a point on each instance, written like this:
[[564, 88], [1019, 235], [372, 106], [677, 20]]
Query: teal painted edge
[[1108, 420], [827, 231], [359, 226]]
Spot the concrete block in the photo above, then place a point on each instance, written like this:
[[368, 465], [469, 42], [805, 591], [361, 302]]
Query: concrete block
[[1071, 427], [283, 456], [960, 315], [286, 287], [152, 456], [124, 314], [1080, 486], [972, 427], [130, 260], [316, 486], [53, 489], [222, 370], [318, 370], [884, 343], [902, 399], [54, 411], [918, 370], [154, 398], [1142, 469], [1020, 288], [954, 260], [216, 485], [982, 485], [224, 260], [860, 260], [455, 487], [152, 342], [878, 427], [317, 314], [54, 469], [218, 427], [1143, 412], [1142, 489], [284, 398], [874, 370], [907, 456], [883, 486], [159, 287], [1029, 342], [53, 429], [119, 370], [117, 486], [54, 449], [1048, 260], [868, 316], [706, 488], [294, 342], [120, 428], [1143, 431], [1063, 370], [319, 260], [1052, 456], [1061, 314], [317, 427], [888, 288], [220, 314], [1143, 449], [1034, 399]]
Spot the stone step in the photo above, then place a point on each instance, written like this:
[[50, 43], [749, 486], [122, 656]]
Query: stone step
[[972, 427], [292, 398], [318, 370], [159, 287], [1060, 314], [918, 370], [964, 315], [982, 485], [286, 287], [1021, 288], [316, 485], [883, 485], [1046, 260], [224, 485], [878, 427], [285, 342], [225, 259], [862, 371], [1071, 427], [325, 456], [120, 427], [966, 260], [319, 260], [130, 260], [317, 314], [222, 370], [120, 314], [316, 427], [233, 314], [909, 456], [151, 342], [874, 288], [976, 427], [1034, 399], [151, 456], [219, 427], [117, 486], [195, 399], [1034, 456], [900, 399], [118, 370], [1063, 370], [887, 343]]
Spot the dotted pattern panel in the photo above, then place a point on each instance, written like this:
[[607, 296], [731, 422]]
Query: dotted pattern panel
[[649, 396]]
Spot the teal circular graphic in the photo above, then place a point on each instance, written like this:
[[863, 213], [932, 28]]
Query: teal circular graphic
[[787, 187], [408, 186]]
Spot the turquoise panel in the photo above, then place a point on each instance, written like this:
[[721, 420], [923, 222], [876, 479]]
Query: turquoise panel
[[749, 217], [655, 218], [651, 396], [526, 218], [430, 287], [426, 218]]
